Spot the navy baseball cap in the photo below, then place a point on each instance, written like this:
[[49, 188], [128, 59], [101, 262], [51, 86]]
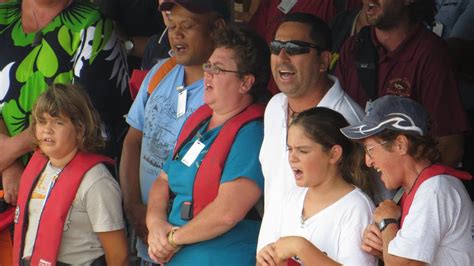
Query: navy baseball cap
[[199, 6], [390, 112]]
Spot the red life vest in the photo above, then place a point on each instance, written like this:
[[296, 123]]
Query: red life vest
[[427, 173], [208, 176], [50, 228]]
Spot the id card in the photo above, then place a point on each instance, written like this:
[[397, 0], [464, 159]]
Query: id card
[[438, 29], [286, 5], [182, 97], [193, 153]]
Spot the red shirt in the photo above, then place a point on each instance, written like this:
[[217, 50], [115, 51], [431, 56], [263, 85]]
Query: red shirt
[[419, 68]]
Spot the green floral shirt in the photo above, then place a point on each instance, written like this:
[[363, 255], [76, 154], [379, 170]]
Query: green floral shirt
[[77, 46]]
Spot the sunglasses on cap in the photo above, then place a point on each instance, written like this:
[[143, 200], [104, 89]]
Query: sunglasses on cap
[[292, 47]]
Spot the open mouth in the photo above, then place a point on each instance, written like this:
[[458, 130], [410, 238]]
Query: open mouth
[[297, 173], [179, 48], [286, 75]]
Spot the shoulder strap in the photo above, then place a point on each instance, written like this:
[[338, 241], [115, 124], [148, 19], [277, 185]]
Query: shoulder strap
[[35, 165], [161, 73], [427, 173], [191, 125], [366, 59], [208, 177]]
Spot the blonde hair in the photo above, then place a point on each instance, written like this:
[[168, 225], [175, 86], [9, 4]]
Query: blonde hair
[[71, 101]]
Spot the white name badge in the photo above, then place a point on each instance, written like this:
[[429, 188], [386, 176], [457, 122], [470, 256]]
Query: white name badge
[[286, 5], [193, 153], [182, 97], [438, 29]]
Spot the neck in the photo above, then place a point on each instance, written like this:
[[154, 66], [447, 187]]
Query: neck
[[391, 38], [36, 14], [63, 161], [333, 183], [312, 98], [219, 117], [192, 74], [412, 172]]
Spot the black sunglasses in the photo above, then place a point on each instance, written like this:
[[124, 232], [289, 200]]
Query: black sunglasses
[[292, 47]]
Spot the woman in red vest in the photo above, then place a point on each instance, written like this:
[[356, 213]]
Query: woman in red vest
[[214, 171], [69, 205], [432, 225]]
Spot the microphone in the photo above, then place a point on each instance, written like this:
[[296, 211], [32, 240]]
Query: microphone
[[38, 38]]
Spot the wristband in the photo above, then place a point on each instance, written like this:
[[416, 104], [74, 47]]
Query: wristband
[[170, 238], [385, 222]]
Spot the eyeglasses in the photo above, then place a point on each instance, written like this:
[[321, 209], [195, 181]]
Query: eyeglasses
[[292, 47], [368, 149], [213, 69]]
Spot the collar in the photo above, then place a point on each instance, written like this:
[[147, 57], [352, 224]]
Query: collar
[[407, 48]]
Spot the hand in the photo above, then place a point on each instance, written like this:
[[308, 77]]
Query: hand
[[11, 177], [136, 214], [387, 209], [159, 249], [372, 241], [287, 247], [267, 256]]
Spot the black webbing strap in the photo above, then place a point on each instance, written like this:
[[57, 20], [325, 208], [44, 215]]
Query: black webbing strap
[[366, 62]]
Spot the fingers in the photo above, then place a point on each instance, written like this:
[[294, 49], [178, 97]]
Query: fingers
[[372, 239], [267, 256], [11, 196]]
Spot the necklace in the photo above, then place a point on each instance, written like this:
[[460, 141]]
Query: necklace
[[291, 113]]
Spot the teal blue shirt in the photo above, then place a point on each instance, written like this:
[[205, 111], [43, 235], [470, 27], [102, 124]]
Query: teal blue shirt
[[238, 245]]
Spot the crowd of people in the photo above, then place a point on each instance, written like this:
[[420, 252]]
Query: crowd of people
[[313, 132]]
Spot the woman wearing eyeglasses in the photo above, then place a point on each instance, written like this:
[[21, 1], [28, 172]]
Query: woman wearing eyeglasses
[[214, 174], [432, 223]]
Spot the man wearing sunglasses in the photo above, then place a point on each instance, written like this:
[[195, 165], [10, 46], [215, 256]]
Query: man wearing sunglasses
[[411, 61], [299, 62]]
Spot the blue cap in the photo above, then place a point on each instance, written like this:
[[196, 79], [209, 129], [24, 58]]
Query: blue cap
[[390, 112]]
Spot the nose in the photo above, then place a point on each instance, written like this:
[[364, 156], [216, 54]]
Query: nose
[[368, 161], [283, 55], [292, 158], [207, 77]]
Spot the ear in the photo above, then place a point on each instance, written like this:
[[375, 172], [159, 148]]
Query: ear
[[80, 133], [401, 145], [218, 23], [247, 83], [325, 59], [335, 154]]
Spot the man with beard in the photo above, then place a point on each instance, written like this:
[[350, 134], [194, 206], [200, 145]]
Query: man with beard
[[170, 92], [411, 61], [299, 62]]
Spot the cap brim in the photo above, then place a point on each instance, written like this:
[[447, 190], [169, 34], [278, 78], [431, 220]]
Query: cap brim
[[361, 131], [166, 6]]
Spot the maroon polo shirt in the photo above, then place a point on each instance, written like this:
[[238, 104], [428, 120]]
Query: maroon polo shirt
[[419, 68]]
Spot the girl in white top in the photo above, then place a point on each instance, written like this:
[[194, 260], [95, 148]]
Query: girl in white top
[[325, 215]]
